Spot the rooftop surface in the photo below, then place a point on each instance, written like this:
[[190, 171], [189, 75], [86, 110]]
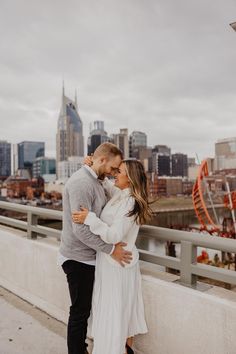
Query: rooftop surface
[[24, 329]]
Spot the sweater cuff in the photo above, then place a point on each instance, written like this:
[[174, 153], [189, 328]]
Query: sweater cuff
[[112, 250], [90, 218]]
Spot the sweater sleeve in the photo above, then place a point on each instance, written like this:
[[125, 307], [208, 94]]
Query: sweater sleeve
[[118, 229], [82, 195]]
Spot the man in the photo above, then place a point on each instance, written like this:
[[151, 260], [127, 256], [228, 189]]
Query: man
[[79, 245]]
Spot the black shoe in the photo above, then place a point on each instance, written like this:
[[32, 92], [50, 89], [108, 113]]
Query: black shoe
[[129, 350]]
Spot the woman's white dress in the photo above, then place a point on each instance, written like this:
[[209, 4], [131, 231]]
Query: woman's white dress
[[117, 307]]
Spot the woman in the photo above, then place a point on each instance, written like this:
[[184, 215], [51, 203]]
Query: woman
[[117, 309]]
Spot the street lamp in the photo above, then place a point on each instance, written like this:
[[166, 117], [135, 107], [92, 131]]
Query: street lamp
[[233, 25]]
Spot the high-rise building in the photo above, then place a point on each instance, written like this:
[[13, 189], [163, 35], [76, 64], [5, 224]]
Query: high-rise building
[[97, 136], [14, 159], [225, 154], [161, 164], [44, 166], [67, 168], [193, 172], [210, 165], [144, 154], [136, 139], [70, 140], [162, 149], [191, 161], [179, 165], [28, 151], [5, 159], [193, 169], [161, 160], [122, 141]]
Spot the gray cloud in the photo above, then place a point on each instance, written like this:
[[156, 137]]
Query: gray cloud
[[160, 66]]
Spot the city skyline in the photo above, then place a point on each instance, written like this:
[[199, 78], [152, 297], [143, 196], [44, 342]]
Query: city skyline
[[110, 136], [163, 68]]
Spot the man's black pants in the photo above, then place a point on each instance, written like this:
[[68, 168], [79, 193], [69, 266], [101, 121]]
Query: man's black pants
[[80, 279]]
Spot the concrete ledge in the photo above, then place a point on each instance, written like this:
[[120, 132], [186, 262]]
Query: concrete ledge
[[180, 320], [29, 269]]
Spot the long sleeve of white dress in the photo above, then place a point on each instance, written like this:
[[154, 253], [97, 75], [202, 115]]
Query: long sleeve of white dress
[[120, 227]]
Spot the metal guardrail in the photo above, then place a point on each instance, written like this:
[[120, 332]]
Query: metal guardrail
[[189, 241], [187, 263], [31, 225]]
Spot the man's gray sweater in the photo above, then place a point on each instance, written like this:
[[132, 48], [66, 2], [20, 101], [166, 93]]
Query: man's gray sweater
[[77, 241]]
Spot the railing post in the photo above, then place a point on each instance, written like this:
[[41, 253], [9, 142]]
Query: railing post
[[188, 256], [32, 220]]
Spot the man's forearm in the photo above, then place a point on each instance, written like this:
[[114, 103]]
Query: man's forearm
[[83, 233]]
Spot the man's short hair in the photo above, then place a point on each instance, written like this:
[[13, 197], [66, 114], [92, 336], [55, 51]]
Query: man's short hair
[[108, 149]]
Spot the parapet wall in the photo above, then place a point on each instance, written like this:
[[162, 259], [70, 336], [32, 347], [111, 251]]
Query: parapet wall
[[180, 320]]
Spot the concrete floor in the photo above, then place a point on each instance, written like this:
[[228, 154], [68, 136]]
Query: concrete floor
[[25, 329]]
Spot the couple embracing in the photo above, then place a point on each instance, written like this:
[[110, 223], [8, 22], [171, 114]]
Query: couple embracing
[[100, 226]]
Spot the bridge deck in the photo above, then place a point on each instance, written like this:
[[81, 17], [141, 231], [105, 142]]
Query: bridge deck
[[25, 329]]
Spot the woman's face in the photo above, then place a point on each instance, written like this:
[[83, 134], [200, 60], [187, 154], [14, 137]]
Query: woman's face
[[121, 178]]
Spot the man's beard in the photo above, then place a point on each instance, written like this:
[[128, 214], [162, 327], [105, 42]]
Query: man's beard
[[101, 176]]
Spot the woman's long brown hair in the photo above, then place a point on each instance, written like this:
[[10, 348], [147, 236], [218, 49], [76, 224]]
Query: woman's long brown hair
[[138, 186]]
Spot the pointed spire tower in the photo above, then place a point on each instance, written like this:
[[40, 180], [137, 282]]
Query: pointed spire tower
[[63, 100], [76, 103], [63, 88], [70, 140]]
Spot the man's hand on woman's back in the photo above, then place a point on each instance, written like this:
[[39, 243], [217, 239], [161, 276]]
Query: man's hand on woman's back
[[121, 255]]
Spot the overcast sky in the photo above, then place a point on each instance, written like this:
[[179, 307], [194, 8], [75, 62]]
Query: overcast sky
[[164, 67]]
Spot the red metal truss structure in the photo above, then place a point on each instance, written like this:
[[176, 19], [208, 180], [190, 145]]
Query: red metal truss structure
[[199, 203], [227, 203]]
